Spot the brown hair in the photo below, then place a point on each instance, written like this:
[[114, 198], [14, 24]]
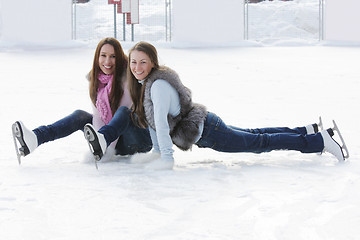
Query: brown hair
[[120, 68], [135, 88]]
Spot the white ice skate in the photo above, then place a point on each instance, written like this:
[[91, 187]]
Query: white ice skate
[[96, 142], [26, 138], [341, 152], [314, 128]]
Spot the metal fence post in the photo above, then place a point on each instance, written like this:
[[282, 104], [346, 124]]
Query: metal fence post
[[132, 32], [321, 20], [115, 20], [73, 20], [246, 19], [124, 25], [168, 20]]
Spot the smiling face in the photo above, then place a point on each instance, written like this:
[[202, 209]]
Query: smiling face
[[140, 64], [107, 59]]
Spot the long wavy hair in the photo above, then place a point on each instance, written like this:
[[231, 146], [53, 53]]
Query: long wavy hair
[[136, 89], [117, 90]]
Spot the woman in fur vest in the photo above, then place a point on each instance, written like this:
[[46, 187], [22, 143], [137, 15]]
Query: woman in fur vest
[[162, 103], [110, 97]]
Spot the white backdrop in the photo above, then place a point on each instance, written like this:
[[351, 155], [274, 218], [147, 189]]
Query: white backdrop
[[201, 21], [208, 21], [342, 20], [35, 21]]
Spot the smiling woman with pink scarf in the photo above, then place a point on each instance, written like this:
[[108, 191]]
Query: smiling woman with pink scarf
[[111, 102]]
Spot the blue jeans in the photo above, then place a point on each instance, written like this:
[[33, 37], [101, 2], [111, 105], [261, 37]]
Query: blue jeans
[[64, 127], [220, 137], [132, 139]]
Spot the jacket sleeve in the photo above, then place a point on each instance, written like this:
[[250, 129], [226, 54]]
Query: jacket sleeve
[[165, 101]]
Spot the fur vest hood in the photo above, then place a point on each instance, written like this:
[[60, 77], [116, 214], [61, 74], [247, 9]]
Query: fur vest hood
[[184, 128]]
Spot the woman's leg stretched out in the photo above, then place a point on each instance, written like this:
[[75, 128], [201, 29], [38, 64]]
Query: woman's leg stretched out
[[30, 140], [309, 129], [218, 136], [64, 127]]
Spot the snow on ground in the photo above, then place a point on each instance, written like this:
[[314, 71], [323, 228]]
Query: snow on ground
[[58, 194]]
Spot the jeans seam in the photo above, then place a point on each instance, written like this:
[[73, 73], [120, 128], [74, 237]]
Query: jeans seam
[[217, 124], [261, 140]]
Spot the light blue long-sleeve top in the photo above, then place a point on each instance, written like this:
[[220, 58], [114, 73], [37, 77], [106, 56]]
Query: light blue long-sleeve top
[[165, 101]]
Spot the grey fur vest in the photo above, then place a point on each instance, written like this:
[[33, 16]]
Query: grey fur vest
[[184, 128]]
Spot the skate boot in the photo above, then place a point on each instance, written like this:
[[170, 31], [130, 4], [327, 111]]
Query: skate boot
[[314, 128], [332, 146], [96, 141], [26, 138]]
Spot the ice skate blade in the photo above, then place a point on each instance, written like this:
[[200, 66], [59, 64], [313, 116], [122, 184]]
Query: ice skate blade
[[96, 157], [96, 165], [15, 134], [320, 124], [19, 135], [91, 138], [343, 144]]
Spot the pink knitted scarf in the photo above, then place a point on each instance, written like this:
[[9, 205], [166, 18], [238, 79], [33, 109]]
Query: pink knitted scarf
[[103, 93]]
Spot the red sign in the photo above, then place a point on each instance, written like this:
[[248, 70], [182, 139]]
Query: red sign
[[128, 18], [114, 1], [119, 9]]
